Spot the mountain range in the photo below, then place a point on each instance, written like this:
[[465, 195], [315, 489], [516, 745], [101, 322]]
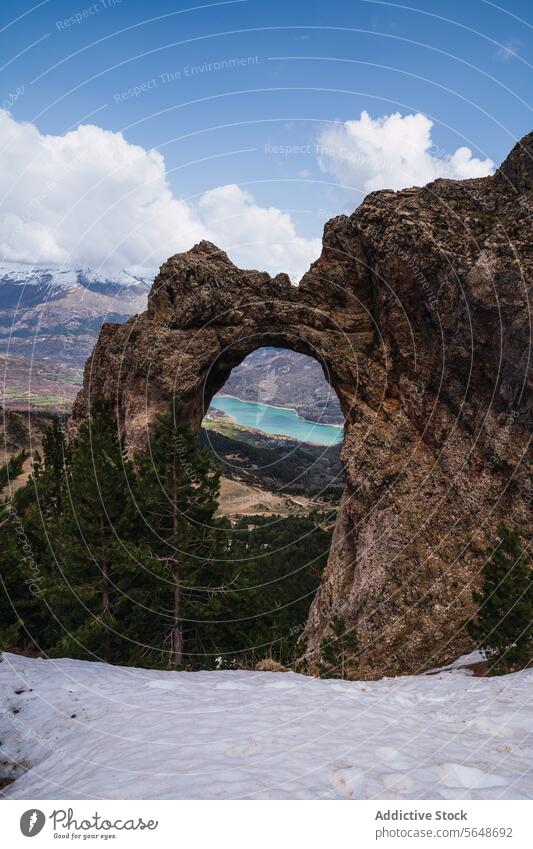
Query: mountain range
[[49, 322], [58, 312], [50, 318]]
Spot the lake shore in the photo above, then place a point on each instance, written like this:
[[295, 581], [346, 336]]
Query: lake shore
[[282, 423], [280, 407]]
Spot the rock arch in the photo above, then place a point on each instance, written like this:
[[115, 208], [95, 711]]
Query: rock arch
[[418, 310]]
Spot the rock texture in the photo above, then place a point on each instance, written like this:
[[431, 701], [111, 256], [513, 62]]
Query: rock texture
[[419, 313]]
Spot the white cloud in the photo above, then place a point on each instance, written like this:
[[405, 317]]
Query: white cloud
[[92, 198], [262, 236], [392, 152]]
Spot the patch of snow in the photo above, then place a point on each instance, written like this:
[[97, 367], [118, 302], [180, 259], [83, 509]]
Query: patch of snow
[[459, 775], [463, 663], [33, 275], [76, 730], [163, 685]]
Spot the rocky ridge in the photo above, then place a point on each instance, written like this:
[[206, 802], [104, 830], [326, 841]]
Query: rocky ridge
[[418, 312]]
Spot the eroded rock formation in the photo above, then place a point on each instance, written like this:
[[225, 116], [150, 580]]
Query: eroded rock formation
[[418, 311]]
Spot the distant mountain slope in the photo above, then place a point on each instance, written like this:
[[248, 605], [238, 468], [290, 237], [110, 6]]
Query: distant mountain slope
[[39, 383], [56, 313], [285, 379]]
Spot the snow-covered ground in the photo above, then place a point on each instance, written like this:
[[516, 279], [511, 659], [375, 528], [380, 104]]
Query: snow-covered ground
[[72, 729]]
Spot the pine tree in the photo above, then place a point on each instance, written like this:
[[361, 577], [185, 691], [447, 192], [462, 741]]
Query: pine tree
[[56, 456], [503, 626], [96, 512], [29, 522], [10, 471], [338, 653], [178, 491], [277, 564], [9, 635], [127, 562], [11, 624]]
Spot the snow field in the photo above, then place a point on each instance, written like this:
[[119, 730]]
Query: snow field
[[78, 730]]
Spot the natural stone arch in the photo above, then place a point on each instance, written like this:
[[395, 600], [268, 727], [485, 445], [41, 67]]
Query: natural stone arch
[[218, 314], [403, 309]]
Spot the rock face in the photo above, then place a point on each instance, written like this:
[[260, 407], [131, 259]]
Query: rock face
[[418, 311]]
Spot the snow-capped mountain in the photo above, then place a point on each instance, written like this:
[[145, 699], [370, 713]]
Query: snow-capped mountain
[[128, 281], [49, 322], [58, 312]]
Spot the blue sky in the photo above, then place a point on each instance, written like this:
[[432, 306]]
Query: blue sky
[[270, 78]]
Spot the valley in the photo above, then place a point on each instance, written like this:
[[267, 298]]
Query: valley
[[276, 420], [282, 378], [282, 458], [276, 465]]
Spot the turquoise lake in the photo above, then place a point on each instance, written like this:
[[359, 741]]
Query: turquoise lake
[[277, 420]]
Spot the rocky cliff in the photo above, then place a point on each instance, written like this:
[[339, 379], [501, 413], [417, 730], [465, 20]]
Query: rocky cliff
[[418, 311]]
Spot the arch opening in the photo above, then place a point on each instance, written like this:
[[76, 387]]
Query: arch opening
[[275, 429], [264, 351], [277, 423]]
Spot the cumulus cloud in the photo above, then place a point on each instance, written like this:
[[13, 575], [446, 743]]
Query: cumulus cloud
[[90, 197], [392, 152], [262, 236], [86, 197]]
